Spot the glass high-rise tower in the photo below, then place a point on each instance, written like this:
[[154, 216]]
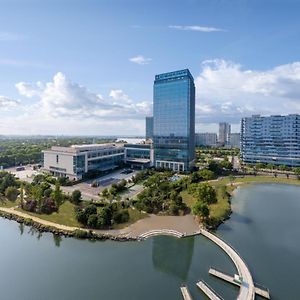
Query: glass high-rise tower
[[174, 120], [149, 128]]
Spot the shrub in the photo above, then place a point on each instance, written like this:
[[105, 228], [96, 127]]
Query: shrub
[[121, 216], [76, 197], [11, 193], [92, 221], [30, 205], [48, 206]]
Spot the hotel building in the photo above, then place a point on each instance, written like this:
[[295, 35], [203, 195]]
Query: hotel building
[[174, 120], [271, 140]]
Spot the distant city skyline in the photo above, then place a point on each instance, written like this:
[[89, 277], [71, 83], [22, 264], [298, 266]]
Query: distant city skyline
[[86, 67]]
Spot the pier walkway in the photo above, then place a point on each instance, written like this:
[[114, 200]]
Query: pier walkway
[[208, 291], [261, 291], [185, 293], [247, 289]]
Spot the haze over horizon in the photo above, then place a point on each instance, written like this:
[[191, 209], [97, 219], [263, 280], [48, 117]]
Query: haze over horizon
[[87, 67]]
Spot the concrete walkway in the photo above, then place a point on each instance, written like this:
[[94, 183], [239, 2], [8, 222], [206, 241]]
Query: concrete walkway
[[184, 225], [247, 288], [36, 219]]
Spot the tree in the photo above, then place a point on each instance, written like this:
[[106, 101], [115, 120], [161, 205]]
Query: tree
[[105, 193], [206, 193], [226, 164], [92, 221], [11, 193], [121, 216], [231, 179], [106, 215], [91, 209], [76, 197], [195, 177], [81, 216], [22, 195], [48, 192], [48, 206], [201, 209], [57, 195], [206, 174], [297, 172]]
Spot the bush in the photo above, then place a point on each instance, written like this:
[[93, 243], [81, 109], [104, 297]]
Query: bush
[[30, 205], [11, 193], [92, 221], [47, 192], [48, 206], [81, 216], [121, 216], [76, 197]]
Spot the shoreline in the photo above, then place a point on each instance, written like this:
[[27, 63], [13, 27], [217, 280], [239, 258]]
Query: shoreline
[[72, 232], [82, 233]]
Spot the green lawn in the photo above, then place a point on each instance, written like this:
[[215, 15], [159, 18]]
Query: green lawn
[[134, 216], [221, 209], [65, 216], [6, 203], [218, 210], [257, 179]]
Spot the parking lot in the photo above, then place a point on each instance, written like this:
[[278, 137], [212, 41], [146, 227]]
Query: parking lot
[[88, 192], [25, 175]]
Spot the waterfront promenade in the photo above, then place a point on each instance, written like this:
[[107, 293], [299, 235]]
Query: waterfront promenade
[[247, 288]]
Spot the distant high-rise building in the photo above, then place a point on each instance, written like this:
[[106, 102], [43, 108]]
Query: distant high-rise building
[[234, 140], [174, 120], [149, 128], [224, 132], [206, 139], [272, 140]]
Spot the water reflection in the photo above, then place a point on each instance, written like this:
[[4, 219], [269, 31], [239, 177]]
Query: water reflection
[[173, 256], [21, 228], [57, 240]]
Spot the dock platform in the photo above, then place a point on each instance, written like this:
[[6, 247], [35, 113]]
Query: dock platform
[[185, 293], [261, 291], [208, 291]]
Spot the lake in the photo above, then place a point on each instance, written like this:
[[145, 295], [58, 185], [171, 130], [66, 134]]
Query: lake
[[264, 228]]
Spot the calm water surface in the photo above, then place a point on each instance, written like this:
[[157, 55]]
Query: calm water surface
[[264, 228]]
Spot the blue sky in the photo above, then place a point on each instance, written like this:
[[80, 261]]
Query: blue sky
[[87, 67]]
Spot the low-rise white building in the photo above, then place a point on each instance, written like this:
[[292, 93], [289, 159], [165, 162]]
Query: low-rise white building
[[74, 161]]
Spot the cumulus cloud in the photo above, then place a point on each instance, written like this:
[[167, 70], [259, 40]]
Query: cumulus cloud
[[63, 98], [140, 60], [195, 28], [227, 91], [7, 103]]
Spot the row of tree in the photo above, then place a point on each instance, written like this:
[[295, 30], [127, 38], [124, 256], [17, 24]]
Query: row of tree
[[160, 195], [100, 218]]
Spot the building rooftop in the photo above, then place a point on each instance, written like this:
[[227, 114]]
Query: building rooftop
[[73, 149]]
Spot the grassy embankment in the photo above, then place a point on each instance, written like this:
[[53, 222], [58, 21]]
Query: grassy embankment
[[66, 215], [221, 209]]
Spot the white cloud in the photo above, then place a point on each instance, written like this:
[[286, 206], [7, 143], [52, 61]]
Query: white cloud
[[119, 95], [63, 98], [7, 103], [195, 28], [226, 91], [140, 60]]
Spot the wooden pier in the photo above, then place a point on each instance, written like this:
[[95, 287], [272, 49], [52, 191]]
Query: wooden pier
[[208, 291], [185, 293], [263, 292]]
